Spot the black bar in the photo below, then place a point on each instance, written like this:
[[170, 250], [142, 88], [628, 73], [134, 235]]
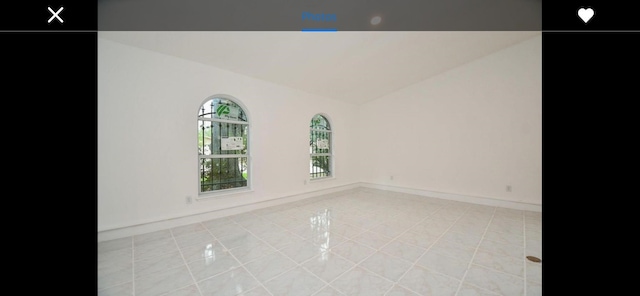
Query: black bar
[[56, 71], [35, 15], [287, 15], [608, 15]]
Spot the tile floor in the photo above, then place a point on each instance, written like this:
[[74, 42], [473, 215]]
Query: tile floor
[[357, 242]]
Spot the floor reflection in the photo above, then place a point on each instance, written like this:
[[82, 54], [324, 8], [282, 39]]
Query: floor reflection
[[209, 254], [320, 224]]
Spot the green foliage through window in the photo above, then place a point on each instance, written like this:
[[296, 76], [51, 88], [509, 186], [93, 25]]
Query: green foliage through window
[[320, 147], [223, 132]]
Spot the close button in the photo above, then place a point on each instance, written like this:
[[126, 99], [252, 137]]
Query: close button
[[55, 15]]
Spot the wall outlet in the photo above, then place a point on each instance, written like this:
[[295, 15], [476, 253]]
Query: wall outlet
[[305, 182], [188, 200], [391, 177], [508, 188]]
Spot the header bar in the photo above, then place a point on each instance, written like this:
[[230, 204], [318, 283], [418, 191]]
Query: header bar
[[343, 15]]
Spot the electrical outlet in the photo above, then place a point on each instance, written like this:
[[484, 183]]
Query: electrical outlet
[[305, 182], [188, 200], [391, 177], [508, 188]]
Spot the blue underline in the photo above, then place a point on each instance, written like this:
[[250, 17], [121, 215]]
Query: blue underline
[[320, 30]]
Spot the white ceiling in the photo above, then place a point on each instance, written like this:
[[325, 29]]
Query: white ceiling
[[355, 67]]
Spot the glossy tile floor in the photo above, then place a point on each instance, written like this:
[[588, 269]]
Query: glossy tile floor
[[357, 242]]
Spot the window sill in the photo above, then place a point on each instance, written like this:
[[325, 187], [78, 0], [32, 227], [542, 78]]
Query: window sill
[[321, 179], [223, 194]]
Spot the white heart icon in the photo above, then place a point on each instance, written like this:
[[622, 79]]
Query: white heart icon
[[585, 14]]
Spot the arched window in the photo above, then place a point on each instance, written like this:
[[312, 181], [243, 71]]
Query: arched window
[[223, 151], [320, 147]]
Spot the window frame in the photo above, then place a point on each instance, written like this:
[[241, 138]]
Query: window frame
[[247, 155], [330, 153]]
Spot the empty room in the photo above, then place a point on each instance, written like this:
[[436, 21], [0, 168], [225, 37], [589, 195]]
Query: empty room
[[293, 163]]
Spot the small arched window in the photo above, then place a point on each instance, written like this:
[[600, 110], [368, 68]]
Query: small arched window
[[320, 148], [223, 150]]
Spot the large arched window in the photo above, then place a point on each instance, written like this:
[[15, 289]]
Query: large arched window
[[320, 147], [223, 152]]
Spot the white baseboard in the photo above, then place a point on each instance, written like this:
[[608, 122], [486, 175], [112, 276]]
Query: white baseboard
[[457, 197], [126, 231], [180, 221]]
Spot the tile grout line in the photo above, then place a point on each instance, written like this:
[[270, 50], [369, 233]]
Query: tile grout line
[[297, 264], [251, 273], [326, 284], [524, 236], [242, 265], [486, 229], [346, 239], [427, 250], [492, 293], [117, 283], [278, 250], [179, 251], [497, 254], [133, 266], [175, 241], [357, 264], [348, 270], [464, 276], [396, 238]]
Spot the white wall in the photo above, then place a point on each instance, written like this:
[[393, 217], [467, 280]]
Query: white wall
[[470, 131], [147, 144]]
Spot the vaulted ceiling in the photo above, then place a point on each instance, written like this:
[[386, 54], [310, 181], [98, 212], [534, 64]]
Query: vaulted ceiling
[[350, 66]]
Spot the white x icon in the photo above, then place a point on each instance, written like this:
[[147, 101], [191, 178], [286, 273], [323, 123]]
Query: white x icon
[[55, 14]]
